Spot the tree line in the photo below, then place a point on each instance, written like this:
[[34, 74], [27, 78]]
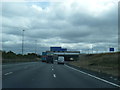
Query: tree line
[[13, 57]]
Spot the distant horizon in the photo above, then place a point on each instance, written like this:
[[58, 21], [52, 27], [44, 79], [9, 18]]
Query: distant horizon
[[85, 52]]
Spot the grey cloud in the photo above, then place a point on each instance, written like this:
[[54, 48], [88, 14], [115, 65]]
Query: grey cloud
[[86, 19], [12, 9]]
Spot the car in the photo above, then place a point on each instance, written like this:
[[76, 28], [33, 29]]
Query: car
[[60, 60], [55, 60], [71, 59]]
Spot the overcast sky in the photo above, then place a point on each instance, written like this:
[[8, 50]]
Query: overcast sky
[[73, 24]]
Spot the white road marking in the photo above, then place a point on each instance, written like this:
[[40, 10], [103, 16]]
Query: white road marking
[[8, 73], [54, 75], [94, 76], [52, 69], [25, 67]]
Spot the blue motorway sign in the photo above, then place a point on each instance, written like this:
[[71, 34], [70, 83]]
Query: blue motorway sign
[[111, 49]]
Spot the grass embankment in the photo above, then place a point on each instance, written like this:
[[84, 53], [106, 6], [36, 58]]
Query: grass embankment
[[105, 63]]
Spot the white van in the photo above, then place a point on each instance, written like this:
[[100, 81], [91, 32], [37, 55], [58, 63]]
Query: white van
[[60, 60]]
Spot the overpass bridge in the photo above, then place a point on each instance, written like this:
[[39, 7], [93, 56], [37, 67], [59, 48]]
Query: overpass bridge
[[68, 55]]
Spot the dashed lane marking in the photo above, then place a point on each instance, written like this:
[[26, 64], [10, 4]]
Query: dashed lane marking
[[54, 75], [8, 73]]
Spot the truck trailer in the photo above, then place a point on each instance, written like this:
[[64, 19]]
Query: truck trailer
[[44, 59], [44, 56], [49, 59]]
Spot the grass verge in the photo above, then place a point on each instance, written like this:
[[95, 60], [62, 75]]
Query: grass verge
[[107, 63]]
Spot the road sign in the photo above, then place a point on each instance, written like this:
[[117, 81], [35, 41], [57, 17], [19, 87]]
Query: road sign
[[111, 49], [50, 53]]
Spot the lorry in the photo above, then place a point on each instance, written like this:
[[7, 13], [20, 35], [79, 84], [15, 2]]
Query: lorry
[[60, 60], [49, 59], [44, 59], [44, 56]]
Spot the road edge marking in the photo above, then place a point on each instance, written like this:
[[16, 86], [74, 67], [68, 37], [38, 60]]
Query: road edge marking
[[94, 76]]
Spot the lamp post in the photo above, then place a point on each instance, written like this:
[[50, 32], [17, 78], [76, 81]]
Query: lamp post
[[23, 42], [35, 46], [92, 48]]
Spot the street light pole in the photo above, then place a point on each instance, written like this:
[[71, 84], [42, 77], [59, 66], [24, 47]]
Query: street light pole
[[23, 42], [35, 46], [92, 48]]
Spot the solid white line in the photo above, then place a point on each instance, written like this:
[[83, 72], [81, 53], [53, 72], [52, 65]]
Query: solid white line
[[54, 75], [8, 73], [94, 76]]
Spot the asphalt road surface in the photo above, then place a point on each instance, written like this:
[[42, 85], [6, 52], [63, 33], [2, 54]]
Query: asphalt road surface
[[43, 75]]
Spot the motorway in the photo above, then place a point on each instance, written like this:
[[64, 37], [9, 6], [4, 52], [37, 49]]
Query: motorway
[[43, 75]]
